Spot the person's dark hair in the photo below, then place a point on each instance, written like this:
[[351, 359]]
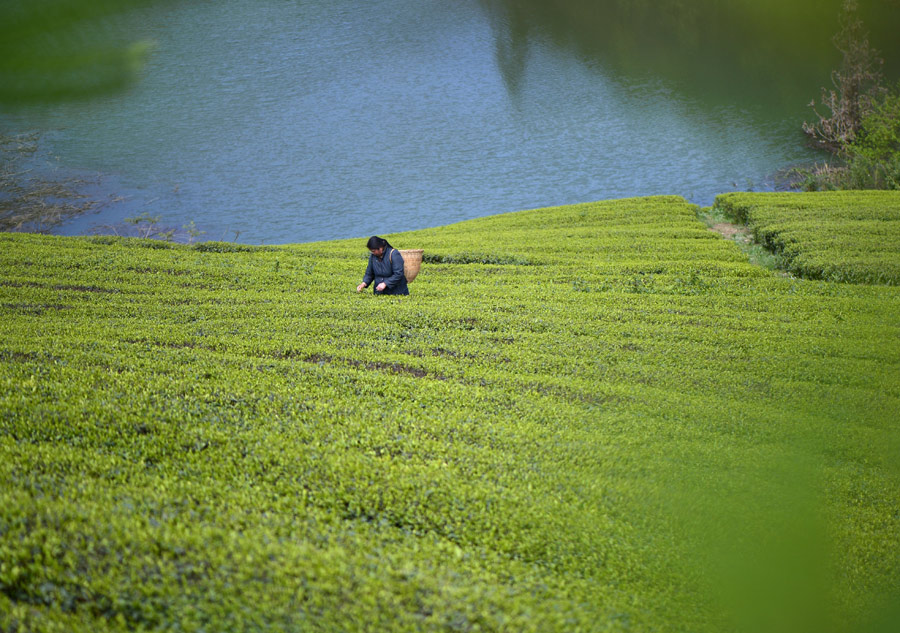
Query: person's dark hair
[[377, 242]]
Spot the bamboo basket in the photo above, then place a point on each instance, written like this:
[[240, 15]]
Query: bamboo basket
[[412, 261]]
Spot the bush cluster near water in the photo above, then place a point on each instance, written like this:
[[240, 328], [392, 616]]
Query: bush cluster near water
[[598, 417]]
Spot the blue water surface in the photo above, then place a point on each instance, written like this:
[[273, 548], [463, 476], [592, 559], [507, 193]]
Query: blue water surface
[[267, 121]]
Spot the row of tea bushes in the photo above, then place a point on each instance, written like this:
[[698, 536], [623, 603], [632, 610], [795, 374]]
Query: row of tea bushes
[[846, 236], [577, 414]]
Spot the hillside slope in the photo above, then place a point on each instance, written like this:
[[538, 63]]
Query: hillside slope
[[849, 236], [614, 423]]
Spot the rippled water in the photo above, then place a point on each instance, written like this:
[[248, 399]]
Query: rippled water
[[271, 121]]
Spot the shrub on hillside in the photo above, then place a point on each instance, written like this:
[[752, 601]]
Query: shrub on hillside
[[862, 124]]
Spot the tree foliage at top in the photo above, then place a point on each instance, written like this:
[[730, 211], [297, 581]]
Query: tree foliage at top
[[861, 125], [54, 50], [857, 86]]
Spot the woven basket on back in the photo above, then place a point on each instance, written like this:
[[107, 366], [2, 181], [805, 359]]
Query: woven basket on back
[[412, 261]]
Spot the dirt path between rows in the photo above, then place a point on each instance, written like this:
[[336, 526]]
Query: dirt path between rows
[[731, 231]]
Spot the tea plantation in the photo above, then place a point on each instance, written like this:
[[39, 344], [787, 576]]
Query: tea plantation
[[849, 236], [597, 417]]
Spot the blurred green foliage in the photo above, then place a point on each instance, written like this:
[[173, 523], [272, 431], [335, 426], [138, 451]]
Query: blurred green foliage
[[861, 124], [64, 49], [874, 156], [769, 51], [598, 417], [879, 138]]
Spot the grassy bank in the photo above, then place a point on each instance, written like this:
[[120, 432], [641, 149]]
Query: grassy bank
[[590, 418]]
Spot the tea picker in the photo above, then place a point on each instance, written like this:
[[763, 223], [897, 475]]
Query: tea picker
[[390, 269]]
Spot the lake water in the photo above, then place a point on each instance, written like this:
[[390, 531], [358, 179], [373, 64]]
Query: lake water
[[272, 121]]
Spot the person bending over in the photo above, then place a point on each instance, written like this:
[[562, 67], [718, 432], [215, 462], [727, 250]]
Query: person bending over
[[385, 269]]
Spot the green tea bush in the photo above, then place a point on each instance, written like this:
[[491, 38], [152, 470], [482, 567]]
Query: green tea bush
[[848, 236], [225, 247], [602, 440]]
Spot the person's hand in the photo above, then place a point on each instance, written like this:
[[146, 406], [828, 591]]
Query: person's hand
[[380, 287], [360, 287]]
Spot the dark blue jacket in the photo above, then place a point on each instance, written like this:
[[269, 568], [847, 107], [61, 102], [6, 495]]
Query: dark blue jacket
[[388, 269]]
